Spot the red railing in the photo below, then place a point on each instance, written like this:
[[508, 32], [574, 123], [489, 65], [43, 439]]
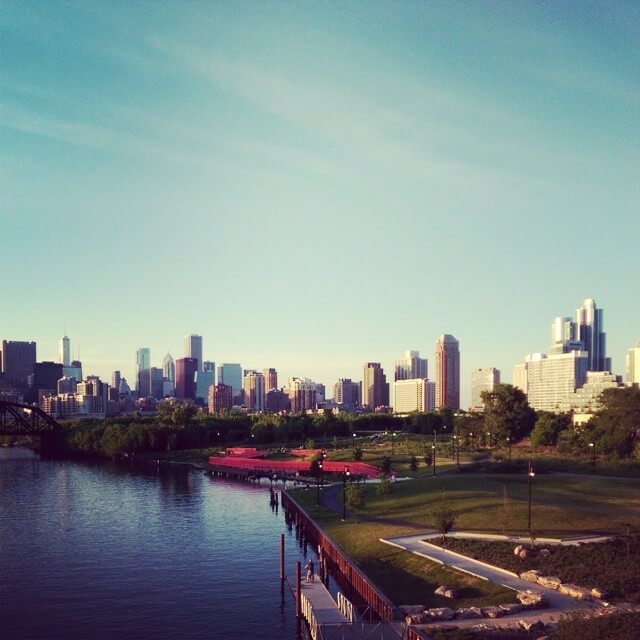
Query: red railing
[[379, 603]]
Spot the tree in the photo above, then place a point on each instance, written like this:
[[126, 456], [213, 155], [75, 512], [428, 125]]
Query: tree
[[385, 487], [385, 467], [507, 413], [548, 427], [355, 496], [413, 465], [176, 414], [357, 454], [443, 516]]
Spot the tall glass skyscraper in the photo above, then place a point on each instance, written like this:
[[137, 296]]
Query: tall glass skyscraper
[[589, 326], [193, 348], [230, 373], [447, 372]]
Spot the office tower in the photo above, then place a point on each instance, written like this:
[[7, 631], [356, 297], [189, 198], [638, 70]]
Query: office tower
[[321, 392], [633, 365], [520, 377], [589, 327], [447, 373], [586, 399], [431, 396], [18, 361], [550, 379], [143, 358], [483, 380], [186, 378], [302, 395], [270, 379], [64, 351], [193, 348], [150, 383], [276, 401], [205, 379], [169, 368], [411, 395], [411, 366], [124, 391], [66, 385], [346, 393], [46, 375], [230, 373], [253, 388], [115, 380], [74, 370], [220, 398], [375, 388]]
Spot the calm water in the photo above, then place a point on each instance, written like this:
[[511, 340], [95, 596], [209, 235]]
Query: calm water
[[96, 551]]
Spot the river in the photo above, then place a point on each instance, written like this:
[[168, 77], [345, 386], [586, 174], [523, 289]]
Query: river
[[106, 552]]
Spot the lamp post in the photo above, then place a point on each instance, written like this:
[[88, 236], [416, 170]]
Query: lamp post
[[454, 437], [393, 440], [593, 454], [345, 474], [318, 484], [529, 482], [458, 454], [489, 439], [509, 443], [433, 458], [354, 439], [471, 439]]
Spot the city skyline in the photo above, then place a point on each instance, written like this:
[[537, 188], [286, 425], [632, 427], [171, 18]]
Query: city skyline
[[488, 154]]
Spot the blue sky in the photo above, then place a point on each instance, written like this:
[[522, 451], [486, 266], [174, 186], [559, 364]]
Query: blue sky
[[313, 185]]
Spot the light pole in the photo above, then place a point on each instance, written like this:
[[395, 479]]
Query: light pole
[[454, 437], [318, 484], [471, 439], [593, 454], [345, 474], [529, 482], [433, 458], [509, 442], [489, 439], [393, 440], [354, 439]]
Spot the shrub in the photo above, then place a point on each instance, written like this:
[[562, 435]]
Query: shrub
[[355, 496]]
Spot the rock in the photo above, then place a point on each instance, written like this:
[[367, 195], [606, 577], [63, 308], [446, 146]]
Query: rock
[[544, 638], [531, 576], [468, 613], [531, 627], [441, 613], [450, 593], [598, 593], [549, 581], [492, 612], [517, 550], [440, 590], [524, 554], [573, 590], [531, 599], [414, 618], [510, 609], [544, 553], [412, 609]]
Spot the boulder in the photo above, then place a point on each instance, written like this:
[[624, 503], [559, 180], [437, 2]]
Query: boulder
[[532, 626], [510, 609], [550, 582], [598, 593], [492, 612], [440, 614], [575, 591], [517, 550], [412, 609], [440, 590], [450, 593], [531, 599], [524, 554], [531, 576], [414, 618], [468, 613]]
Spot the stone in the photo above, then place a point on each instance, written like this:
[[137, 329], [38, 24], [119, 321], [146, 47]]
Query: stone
[[575, 591], [531, 627], [492, 612], [531, 599], [450, 593], [468, 613], [524, 554], [412, 609], [441, 613], [517, 550], [598, 593], [510, 609], [531, 576], [550, 582], [440, 590], [414, 618]]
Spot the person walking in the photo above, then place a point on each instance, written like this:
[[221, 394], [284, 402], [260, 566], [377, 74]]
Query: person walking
[[310, 571]]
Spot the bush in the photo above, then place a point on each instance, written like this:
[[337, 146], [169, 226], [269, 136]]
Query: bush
[[618, 626], [357, 454], [413, 465], [385, 487], [355, 496], [385, 467]]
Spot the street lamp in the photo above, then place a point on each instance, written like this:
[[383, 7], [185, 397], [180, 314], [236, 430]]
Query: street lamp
[[529, 481], [345, 474], [318, 484], [593, 454], [489, 439], [393, 440], [354, 439], [509, 442], [433, 458], [454, 437]]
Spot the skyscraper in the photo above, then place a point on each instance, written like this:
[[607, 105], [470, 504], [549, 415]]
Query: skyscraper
[[64, 350], [633, 365], [18, 361], [116, 376], [302, 395], [254, 391], [589, 327], [169, 369], [220, 398], [205, 379], [447, 372], [270, 379], [411, 366], [483, 380], [411, 395], [230, 373], [193, 348], [375, 388], [186, 369]]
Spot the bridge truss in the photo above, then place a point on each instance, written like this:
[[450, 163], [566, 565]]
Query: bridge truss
[[24, 420]]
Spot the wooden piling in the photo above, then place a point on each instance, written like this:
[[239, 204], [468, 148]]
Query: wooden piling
[[282, 576], [298, 589]]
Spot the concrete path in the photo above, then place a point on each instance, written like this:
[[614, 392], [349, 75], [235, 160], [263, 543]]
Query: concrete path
[[416, 544]]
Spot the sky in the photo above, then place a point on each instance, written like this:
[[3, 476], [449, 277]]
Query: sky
[[311, 186]]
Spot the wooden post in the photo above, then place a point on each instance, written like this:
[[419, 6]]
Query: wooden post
[[298, 589], [282, 556]]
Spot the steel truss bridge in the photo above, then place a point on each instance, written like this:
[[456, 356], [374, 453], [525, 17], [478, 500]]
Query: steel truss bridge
[[25, 420]]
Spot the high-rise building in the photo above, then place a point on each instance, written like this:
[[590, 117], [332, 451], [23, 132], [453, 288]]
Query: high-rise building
[[586, 399], [220, 398], [74, 370], [18, 361], [411, 395], [276, 401], [485, 379], [447, 373], [411, 366], [520, 380], [169, 368], [230, 373], [186, 378], [551, 379], [150, 383], [431, 396], [46, 375], [205, 379], [270, 379], [254, 391], [143, 362], [302, 395], [375, 388], [633, 365], [115, 380], [66, 385], [64, 351], [589, 327], [193, 348], [346, 394]]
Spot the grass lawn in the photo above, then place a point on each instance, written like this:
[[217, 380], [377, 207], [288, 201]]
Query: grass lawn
[[559, 504], [404, 577]]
